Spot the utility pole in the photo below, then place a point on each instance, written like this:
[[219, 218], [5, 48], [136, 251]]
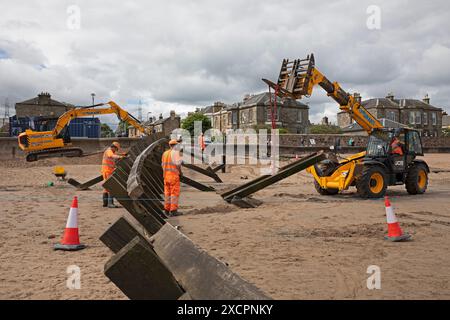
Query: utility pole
[[6, 116], [93, 98], [140, 110]]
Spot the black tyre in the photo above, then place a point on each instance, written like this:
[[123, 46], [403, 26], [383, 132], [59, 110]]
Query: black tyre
[[372, 182], [325, 192], [31, 157], [417, 179]]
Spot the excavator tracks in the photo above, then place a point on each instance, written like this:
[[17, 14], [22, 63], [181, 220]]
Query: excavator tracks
[[53, 153]]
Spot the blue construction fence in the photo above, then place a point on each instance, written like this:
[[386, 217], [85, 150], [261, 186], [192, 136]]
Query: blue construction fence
[[78, 128]]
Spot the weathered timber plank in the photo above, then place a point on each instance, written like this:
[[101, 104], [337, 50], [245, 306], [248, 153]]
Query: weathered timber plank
[[205, 172], [138, 272], [119, 235], [151, 222], [201, 275], [196, 184]]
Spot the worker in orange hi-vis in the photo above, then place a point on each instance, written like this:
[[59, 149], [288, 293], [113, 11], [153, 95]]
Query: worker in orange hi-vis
[[201, 143], [171, 165], [108, 166], [396, 146]]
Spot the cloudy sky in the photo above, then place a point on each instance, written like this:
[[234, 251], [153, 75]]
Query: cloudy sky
[[186, 54]]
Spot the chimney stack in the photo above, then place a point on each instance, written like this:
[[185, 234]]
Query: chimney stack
[[390, 96], [357, 97], [426, 99], [172, 114], [44, 98]]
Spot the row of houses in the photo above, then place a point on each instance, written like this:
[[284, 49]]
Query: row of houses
[[293, 116], [412, 113], [254, 112]]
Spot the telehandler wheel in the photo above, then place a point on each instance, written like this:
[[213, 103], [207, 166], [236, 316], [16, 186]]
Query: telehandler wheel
[[325, 192], [417, 179], [372, 183]]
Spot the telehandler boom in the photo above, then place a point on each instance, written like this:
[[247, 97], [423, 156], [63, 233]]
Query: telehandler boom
[[370, 171]]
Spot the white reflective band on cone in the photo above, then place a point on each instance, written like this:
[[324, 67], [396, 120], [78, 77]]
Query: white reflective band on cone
[[72, 221], [390, 215]]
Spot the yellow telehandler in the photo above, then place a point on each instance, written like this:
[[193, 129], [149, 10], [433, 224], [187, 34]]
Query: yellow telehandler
[[390, 156]]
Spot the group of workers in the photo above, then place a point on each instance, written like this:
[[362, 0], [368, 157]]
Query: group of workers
[[171, 165]]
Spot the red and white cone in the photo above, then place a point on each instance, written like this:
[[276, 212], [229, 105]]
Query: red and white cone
[[394, 231], [71, 239]]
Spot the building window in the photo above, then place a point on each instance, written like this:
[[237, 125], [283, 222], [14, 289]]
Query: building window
[[415, 117], [418, 117], [434, 118], [299, 116], [244, 116], [250, 115], [234, 117], [269, 114], [425, 118], [391, 115]]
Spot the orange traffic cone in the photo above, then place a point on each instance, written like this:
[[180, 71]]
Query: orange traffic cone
[[71, 240], [394, 231]]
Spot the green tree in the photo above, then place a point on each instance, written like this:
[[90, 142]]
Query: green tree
[[106, 131], [122, 129], [324, 129], [188, 122]]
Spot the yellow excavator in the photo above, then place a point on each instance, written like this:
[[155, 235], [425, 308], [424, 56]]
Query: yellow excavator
[[55, 143], [390, 156]]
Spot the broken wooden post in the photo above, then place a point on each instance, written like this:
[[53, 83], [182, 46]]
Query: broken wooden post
[[200, 274], [138, 272], [120, 234], [86, 185]]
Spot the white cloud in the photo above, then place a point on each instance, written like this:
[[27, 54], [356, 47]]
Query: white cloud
[[179, 54]]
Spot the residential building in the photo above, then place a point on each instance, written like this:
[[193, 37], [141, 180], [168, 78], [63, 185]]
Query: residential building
[[445, 120], [255, 112], [41, 106], [417, 114], [166, 125]]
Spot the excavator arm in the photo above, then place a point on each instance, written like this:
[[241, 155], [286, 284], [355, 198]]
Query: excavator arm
[[299, 77], [43, 144], [113, 108]]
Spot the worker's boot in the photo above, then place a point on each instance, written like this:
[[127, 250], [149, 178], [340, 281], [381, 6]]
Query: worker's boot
[[175, 213], [111, 202], [105, 199]]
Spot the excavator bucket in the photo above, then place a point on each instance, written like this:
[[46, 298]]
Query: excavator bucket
[[294, 77]]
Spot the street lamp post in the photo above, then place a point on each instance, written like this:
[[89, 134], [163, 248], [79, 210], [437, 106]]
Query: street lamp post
[[93, 98]]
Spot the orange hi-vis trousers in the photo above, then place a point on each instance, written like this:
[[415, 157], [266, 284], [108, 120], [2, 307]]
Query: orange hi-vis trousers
[[169, 162], [171, 192]]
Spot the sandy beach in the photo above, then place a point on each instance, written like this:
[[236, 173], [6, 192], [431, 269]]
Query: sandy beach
[[296, 245]]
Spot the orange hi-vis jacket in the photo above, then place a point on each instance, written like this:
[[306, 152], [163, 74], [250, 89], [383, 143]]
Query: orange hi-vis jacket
[[396, 148], [170, 161], [108, 162], [201, 142]]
